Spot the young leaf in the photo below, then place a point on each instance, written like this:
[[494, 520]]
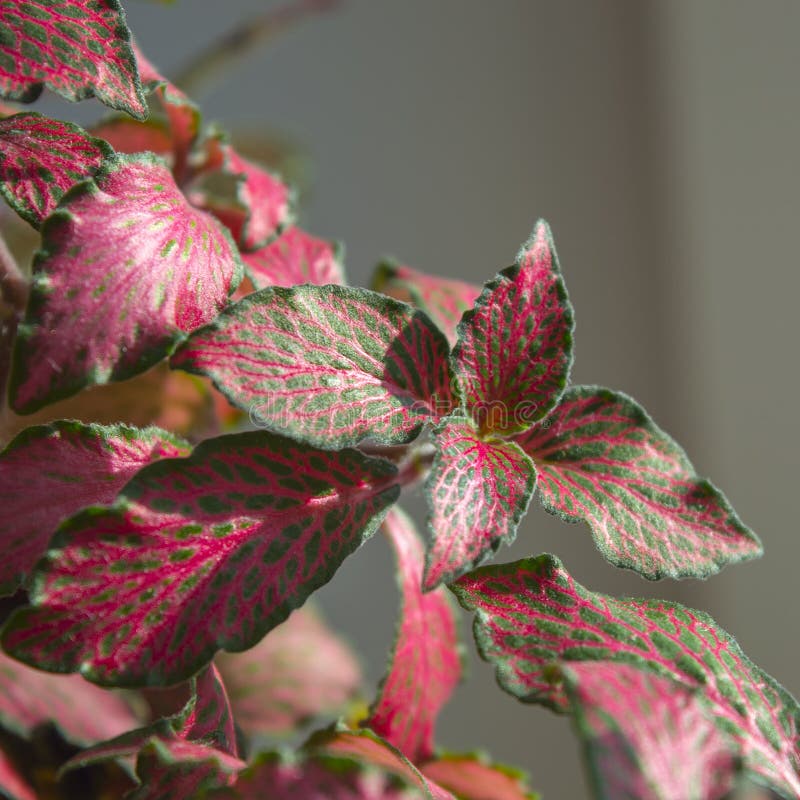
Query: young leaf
[[83, 713], [300, 670], [295, 257], [602, 460], [514, 348], [473, 777], [78, 48], [369, 748], [478, 490], [532, 612], [263, 204], [40, 159], [327, 365], [317, 777], [197, 554], [49, 472], [444, 300], [646, 737], [108, 307], [425, 666]]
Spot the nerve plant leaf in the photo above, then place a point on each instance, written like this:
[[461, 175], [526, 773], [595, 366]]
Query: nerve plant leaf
[[602, 460], [49, 472], [40, 159], [78, 48], [473, 777], [197, 554], [295, 257], [83, 713], [532, 613], [326, 365], [646, 737], [514, 348], [108, 307], [444, 300], [12, 784], [426, 665], [300, 670], [317, 777], [478, 490]]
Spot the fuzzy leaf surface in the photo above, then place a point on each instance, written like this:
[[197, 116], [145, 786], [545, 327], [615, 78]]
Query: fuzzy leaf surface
[[478, 490], [108, 307], [444, 300], [51, 471], [328, 365], [295, 257], [532, 612], [300, 670], [646, 737], [317, 777], [473, 777], [78, 48], [425, 666], [209, 552], [83, 713], [40, 159], [600, 459], [514, 348]]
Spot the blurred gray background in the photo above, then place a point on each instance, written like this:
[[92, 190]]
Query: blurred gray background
[[660, 141]]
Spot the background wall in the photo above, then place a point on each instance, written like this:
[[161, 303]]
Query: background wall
[[659, 139]]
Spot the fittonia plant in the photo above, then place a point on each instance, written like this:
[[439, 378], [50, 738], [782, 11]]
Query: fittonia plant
[[135, 555]]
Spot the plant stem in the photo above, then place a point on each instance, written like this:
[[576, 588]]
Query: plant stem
[[241, 40]]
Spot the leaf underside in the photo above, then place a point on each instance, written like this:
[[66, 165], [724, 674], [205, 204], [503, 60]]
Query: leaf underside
[[41, 159], [472, 777], [600, 459], [51, 471], [207, 552], [328, 365], [514, 349], [425, 666], [532, 612], [108, 307], [478, 490], [78, 48], [646, 737]]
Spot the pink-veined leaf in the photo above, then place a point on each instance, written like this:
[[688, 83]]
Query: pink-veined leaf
[[478, 490], [108, 307], [41, 159], [473, 777], [126, 135], [49, 472], [182, 115], [532, 612], [181, 770], [328, 365], [263, 201], [444, 300], [425, 666], [367, 747], [78, 48], [205, 720], [83, 713], [300, 670], [317, 777], [646, 737], [295, 257], [514, 349], [207, 552], [12, 785], [602, 460]]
